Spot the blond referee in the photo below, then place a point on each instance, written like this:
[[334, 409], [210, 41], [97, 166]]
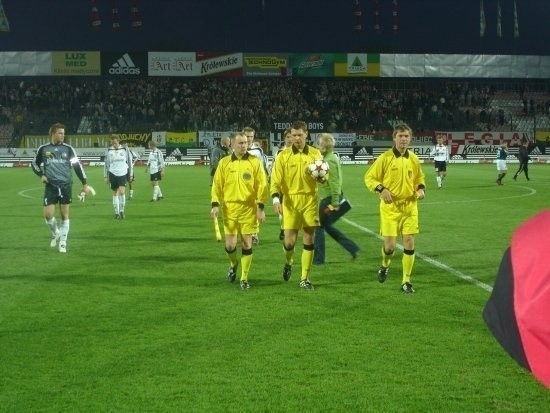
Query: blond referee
[[398, 179]]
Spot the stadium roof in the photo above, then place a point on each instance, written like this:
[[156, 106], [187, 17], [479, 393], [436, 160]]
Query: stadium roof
[[410, 26]]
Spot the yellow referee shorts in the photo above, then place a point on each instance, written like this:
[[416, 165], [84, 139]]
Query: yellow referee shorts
[[240, 219], [399, 217], [300, 211]]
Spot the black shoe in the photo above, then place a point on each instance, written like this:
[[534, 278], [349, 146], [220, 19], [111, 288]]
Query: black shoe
[[122, 216], [244, 285], [232, 273], [407, 288], [117, 216], [515, 177], [354, 255], [282, 235], [382, 274], [287, 272], [306, 285]]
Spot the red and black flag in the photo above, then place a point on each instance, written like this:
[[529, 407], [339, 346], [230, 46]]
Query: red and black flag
[[376, 14], [96, 19], [518, 311], [395, 20], [357, 16], [114, 16], [135, 15]]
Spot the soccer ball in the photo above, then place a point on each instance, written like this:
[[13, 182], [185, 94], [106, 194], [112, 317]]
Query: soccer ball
[[89, 192], [318, 170]]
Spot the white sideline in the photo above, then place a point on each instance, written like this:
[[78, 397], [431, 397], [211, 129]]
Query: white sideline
[[429, 260]]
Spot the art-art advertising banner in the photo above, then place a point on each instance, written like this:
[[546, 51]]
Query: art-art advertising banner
[[172, 64], [265, 65]]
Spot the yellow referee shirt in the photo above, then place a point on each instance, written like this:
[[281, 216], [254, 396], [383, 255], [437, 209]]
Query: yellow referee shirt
[[239, 180], [400, 173], [288, 176]]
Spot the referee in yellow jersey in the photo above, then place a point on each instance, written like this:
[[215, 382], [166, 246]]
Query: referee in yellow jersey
[[398, 179], [299, 205], [240, 188]]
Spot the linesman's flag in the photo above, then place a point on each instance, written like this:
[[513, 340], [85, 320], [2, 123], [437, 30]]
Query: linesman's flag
[[517, 313], [481, 19], [4, 24]]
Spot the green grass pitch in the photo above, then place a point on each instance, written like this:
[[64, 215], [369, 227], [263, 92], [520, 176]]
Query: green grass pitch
[[139, 316]]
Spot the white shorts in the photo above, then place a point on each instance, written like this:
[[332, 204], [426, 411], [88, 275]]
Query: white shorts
[[501, 165]]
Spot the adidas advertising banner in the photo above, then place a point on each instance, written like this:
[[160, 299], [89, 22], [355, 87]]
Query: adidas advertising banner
[[130, 64]]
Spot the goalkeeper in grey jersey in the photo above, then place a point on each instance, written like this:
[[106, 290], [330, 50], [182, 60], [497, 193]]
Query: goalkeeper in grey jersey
[[53, 163]]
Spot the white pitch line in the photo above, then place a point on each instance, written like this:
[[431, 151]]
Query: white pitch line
[[429, 260], [530, 192], [23, 193]]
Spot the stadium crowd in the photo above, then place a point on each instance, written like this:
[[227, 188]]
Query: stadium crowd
[[28, 105]]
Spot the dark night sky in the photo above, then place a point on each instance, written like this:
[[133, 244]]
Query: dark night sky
[[425, 26]]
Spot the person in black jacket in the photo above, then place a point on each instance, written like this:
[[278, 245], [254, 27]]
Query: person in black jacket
[[524, 158]]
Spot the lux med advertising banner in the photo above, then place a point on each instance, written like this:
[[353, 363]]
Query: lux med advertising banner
[[77, 63]]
